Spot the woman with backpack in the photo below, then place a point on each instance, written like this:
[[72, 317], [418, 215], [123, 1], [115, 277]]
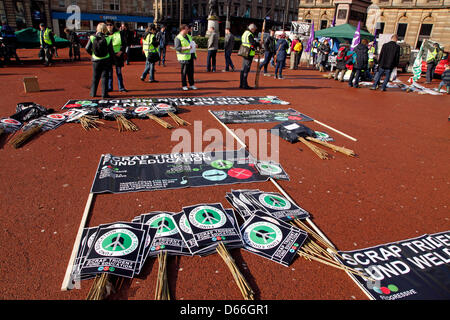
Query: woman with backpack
[[324, 51], [296, 52], [101, 50], [150, 44], [341, 60]]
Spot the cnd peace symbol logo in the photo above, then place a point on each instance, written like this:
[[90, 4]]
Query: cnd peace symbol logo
[[262, 235], [164, 224], [184, 224], [207, 217], [268, 168], [274, 202], [117, 242]]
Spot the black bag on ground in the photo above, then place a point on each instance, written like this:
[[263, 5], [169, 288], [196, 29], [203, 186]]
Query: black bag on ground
[[100, 46], [291, 131], [26, 111]]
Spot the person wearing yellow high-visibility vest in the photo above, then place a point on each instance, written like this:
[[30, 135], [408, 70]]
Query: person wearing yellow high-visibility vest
[[184, 46], [101, 50], [150, 45], [47, 41], [119, 45], [433, 58], [372, 52], [248, 40]]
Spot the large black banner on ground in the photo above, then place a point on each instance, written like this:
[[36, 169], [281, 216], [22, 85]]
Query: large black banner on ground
[[262, 115], [119, 174], [413, 269], [176, 101]]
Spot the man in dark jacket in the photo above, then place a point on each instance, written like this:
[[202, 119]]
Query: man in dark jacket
[[228, 48], [387, 61], [269, 50], [74, 47], [163, 38], [361, 62]]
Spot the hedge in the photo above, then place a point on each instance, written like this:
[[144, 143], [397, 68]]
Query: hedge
[[202, 42]]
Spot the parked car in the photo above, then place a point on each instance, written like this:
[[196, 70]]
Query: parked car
[[405, 56], [440, 68], [84, 37]]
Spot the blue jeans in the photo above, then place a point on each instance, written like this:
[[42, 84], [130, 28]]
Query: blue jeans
[[356, 74], [228, 62], [279, 67], [119, 78], [387, 74], [149, 68], [162, 54], [267, 57]]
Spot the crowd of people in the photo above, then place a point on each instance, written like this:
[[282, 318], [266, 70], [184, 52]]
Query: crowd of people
[[109, 49]]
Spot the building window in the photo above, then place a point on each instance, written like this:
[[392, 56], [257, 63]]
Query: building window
[[114, 5], [62, 3], [2, 12], [323, 24], [380, 27], [98, 4], [401, 30], [342, 14], [424, 34], [20, 15]]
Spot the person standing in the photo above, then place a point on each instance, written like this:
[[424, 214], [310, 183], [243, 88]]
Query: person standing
[[248, 40], [293, 53], [163, 37], [280, 56], [183, 45], [388, 59], [372, 52], [315, 52], [74, 47], [228, 49], [150, 45], [47, 41], [324, 50], [119, 45], [433, 58], [445, 80], [129, 37], [9, 42], [100, 48], [341, 59], [269, 51], [361, 63], [213, 46]]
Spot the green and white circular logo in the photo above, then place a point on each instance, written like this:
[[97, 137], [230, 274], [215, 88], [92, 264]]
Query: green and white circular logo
[[267, 168], [222, 164], [262, 235], [164, 224], [184, 224], [207, 217], [274, 202], [117, 242]]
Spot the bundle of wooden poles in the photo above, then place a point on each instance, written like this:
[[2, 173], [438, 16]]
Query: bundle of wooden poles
[[21, 138], [322, 154], [104, 284], [162, 284], [244, 287], [318, 249]]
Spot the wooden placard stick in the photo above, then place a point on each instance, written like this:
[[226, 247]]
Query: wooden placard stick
[[261, 42], [178, 120], [161, 122], [322, 154], [67, 282], [343, 150]]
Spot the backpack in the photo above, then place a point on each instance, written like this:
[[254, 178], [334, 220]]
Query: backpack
[[100, 46], [341, 54], [298, 47]]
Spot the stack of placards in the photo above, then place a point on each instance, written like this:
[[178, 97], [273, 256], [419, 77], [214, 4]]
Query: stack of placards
[[272, 238], [118, 248], [247, 202], [203, 226]]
